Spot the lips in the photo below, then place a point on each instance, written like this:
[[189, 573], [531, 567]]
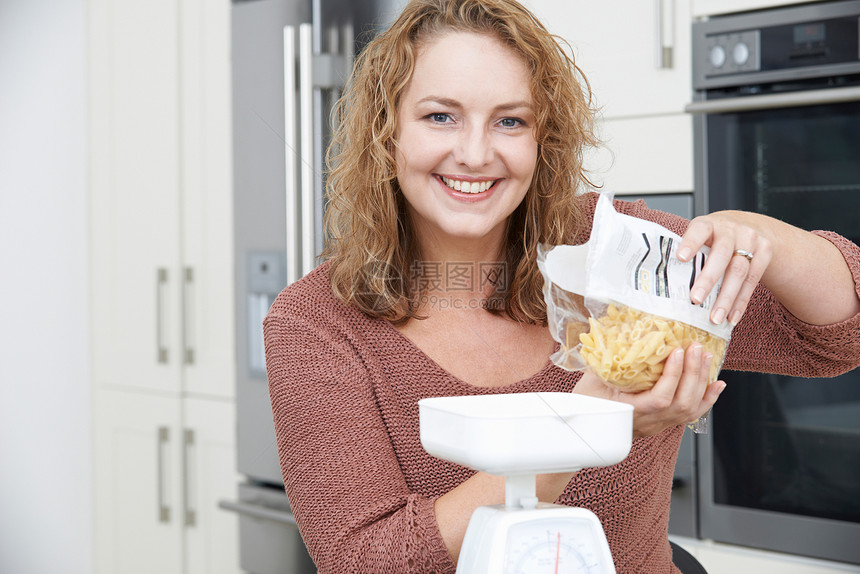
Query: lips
[[470, 187]]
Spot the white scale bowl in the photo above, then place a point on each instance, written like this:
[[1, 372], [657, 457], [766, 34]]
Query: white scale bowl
[[526, 433]]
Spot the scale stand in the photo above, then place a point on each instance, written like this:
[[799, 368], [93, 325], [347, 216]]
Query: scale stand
[[520, 436]]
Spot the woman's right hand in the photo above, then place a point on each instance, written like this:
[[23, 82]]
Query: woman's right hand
[[681, 395]]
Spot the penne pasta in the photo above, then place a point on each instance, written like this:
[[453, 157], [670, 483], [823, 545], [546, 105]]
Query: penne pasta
[[628, 348]]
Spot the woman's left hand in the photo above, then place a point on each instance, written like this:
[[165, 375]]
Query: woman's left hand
[[740, 254], [681, 394]]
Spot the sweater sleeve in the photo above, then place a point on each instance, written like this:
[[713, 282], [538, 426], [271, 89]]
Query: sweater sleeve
[[352, 504], [769, 339]]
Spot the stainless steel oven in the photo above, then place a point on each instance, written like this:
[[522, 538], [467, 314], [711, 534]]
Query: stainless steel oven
[[777, 131]]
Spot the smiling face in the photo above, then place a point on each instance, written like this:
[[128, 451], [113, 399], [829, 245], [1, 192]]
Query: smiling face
[[466, 150]]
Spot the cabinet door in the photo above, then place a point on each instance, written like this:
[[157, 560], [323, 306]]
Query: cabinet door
[[211, 533], [207, 200], [135, 208], [138, 491], [645, 155], [636, 55]]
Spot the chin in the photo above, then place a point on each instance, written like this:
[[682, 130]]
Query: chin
[[474, 233]]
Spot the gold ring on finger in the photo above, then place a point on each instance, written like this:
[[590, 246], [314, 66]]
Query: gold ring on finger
[[744, 253]]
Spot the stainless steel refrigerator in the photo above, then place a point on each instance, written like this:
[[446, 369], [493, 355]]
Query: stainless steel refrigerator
[[290, 60]]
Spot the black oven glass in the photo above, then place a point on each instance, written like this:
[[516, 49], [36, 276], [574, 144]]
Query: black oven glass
[[781, 443], [786, 444], [800, 165]]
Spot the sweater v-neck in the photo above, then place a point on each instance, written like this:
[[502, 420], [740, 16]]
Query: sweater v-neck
[[517, 386]]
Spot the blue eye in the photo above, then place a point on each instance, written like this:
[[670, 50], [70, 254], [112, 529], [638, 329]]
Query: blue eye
[[511, 122], [439, 118]]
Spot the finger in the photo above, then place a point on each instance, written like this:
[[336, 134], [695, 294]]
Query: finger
[[675, 397], [726, 266], [735, 280], [694, 381], [736, 273], [761, 260], [662, 394], [719, 259], [712, 393], [699, 231]]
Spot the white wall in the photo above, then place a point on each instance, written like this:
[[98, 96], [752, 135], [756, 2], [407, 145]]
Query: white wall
[[45, 476]]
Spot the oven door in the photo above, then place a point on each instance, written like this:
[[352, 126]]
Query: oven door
[[781, 468], [800, 164]]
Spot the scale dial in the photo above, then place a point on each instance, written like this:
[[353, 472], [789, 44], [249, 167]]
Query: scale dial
[[548, 539], [552, 546]]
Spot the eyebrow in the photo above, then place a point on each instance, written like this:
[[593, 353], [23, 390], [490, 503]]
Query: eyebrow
[[455, 104]]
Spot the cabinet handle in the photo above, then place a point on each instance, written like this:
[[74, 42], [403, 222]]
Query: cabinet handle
[[163, 443], [188, 315], [291, 154], [160, 323], [189, 478], [664, 35]]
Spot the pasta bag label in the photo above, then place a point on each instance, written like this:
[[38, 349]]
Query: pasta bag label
[[620, 303], [634, 262]]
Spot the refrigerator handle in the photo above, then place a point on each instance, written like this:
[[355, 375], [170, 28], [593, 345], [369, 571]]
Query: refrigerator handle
[[291, 155], [306, 101]]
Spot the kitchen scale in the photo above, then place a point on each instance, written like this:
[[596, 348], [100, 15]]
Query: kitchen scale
[[520, 436]]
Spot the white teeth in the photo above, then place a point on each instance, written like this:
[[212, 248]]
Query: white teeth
[[466, 187]]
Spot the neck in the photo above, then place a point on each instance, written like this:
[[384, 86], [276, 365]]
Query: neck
[[459, 270], [436, 246]]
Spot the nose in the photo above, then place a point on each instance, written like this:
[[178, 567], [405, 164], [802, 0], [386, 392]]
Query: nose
[[474, 147]]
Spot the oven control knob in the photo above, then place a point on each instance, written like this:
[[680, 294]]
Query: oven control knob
[[740, 53], [718, 56]]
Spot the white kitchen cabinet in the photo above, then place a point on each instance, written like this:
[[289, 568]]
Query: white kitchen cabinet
[[211, 533], [644, 155], [138, 484], [636, 55], [134, 194], [161, 195], [163, 334], [207, 198], [161, 468]]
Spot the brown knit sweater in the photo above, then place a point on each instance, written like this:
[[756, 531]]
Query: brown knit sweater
[[345, 391]]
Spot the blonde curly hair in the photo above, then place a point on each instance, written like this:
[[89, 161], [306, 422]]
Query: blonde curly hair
[[368, 236]]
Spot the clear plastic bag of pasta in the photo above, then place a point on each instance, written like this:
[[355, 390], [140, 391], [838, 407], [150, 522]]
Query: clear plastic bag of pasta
[[620, 304]]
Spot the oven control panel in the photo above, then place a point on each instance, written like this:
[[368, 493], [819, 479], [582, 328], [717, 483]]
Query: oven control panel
[[761, 48], [733, 53]]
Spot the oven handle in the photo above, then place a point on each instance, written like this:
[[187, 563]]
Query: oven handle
[[257, 511], [787, 100]]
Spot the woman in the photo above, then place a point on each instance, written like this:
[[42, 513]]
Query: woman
[[459, 151]]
